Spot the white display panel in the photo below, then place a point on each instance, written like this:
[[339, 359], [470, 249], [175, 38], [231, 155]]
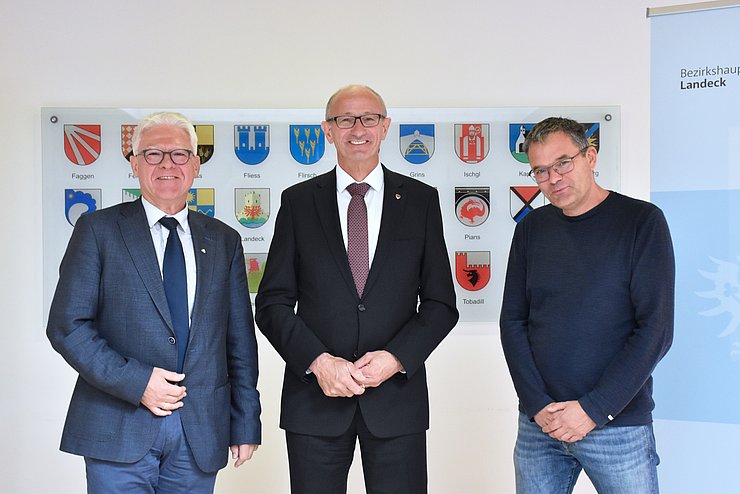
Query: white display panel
[[481, 190]]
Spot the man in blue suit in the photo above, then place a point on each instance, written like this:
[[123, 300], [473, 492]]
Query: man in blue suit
[[160, 398]]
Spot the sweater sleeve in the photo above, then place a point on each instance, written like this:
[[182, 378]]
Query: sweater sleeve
[[529, 385], [651, 289]]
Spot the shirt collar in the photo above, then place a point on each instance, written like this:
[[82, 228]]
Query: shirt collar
[[154, 214], [374, 179]]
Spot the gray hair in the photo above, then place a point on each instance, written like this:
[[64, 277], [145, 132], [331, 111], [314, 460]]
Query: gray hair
[[165, 118], [353, 87], [550, 125]]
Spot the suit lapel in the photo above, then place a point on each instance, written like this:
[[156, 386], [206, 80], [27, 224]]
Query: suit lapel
[[138, 240], [203, 247], [325, 197], [394, 204]]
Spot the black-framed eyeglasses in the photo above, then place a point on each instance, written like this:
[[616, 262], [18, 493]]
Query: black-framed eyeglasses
[[156, 156], [348, 121], [561, 167]]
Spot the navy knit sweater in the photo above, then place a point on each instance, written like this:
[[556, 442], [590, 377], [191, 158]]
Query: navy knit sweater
[[588, 308]]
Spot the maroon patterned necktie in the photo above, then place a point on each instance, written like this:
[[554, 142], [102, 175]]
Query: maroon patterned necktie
[[357, 249]]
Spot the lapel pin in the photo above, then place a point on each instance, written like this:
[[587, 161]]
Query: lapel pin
[[203, 251], [398, 196]]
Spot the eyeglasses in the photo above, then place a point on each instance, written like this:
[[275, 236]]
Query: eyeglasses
[[561, 167], [156, 156], [348, 121]]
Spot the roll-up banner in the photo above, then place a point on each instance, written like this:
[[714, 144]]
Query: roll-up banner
[[695, 179]]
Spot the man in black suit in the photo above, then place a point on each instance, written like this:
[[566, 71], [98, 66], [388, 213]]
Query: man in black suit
[[372, 282], [166, 384]]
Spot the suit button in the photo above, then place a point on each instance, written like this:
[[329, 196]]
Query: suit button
[[354, 354], [361, 308], [172, 340]]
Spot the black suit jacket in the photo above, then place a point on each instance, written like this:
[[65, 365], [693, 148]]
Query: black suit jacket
[[407, 308], [110, 321]]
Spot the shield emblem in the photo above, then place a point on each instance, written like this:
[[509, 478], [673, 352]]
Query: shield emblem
[[517, 133], [472, 269], [205, 142], [592, 134], [523, 199], [472, 141], [255, 269], [202, 200], [416, 142], [251, 143], [306, 143], [82, 143], [130, 195], [127, 141], [252, 206], [80, 201], [472, 205]]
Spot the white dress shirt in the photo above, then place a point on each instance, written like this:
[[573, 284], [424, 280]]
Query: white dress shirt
[[159, 237], [373, 201]]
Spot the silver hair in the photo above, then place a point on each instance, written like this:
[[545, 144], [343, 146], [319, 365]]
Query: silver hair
[[165, 118]]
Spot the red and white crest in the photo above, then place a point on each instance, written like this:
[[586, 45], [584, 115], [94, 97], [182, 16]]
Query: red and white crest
[[127, 140], [473, 269], [472, 141], [82, 143]]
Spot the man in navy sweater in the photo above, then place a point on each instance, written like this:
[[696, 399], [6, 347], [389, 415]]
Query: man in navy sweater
[[586, 316]]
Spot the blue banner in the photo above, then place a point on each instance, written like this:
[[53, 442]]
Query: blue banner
[[695, 179]]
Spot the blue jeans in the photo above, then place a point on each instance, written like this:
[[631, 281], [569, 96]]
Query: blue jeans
[[168, 468], [618, 460]]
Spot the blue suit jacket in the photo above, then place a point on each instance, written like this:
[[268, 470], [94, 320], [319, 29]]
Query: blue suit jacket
[[110, 321]]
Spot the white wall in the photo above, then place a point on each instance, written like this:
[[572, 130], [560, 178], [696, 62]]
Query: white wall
[[282, 54]]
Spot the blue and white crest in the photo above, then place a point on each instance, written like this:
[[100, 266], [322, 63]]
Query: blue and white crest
[[517, 133], [306, 143], [252, 143], [80, 201], [416, 142]]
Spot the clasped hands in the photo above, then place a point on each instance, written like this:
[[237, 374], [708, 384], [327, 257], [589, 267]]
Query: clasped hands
[[338, 377], [565, 421], [163, 395]]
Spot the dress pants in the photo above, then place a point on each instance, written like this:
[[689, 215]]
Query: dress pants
[[320, 465], [168, 467]]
